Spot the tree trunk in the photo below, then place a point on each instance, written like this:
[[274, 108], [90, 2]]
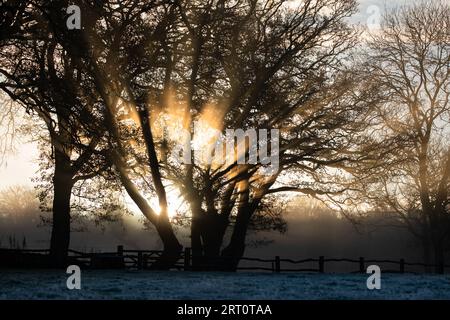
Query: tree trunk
[[196, 239], [437, 242], [60, 238], [213, 231], [207, 233], [235, 249], [439, 258], [427, 254], [172, 247]]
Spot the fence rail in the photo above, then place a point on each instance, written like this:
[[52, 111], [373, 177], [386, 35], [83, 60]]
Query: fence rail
[[143, 259]]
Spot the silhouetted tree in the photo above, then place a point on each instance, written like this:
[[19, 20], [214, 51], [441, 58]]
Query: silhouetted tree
[[139, 74], [257, 64], [98, 48], [260, 65], [409, 60], [37, 75]]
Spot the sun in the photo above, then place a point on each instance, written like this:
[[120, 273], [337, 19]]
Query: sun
[[175, 203]]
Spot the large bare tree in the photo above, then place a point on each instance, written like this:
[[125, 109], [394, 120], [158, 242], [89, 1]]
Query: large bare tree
[[233, 65], [409, 58], [253, 64], [37, 75], [263, 66]]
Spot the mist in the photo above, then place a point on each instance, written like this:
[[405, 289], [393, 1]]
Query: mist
[[313, 230]]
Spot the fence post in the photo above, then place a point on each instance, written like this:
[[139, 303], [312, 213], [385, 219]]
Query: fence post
[[120, 250], [144, 262], [187, 259], [140, 263], [362, 267], [402, 265], [277, 264], [321, 264]]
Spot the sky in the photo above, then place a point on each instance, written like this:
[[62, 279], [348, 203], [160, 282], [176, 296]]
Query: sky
[[21, 166]]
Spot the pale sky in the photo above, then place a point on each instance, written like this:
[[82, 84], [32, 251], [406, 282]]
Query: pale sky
[[370, 8], [20, 166]]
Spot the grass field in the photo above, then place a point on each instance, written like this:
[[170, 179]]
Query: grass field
[[50, 284]]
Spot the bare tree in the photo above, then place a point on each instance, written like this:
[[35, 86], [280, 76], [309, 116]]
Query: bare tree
[[37, 75], [261, 65], [258, 65], [410, 60], [239, 65], [7, 127]]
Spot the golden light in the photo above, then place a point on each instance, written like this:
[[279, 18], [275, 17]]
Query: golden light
[[175, 202]]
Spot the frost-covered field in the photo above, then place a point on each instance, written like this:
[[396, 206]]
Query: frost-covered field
[[186, 285]]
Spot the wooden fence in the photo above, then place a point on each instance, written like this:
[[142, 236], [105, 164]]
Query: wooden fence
[[143, 259]]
